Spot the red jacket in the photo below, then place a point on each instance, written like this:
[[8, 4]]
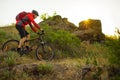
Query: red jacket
[[28, 19]]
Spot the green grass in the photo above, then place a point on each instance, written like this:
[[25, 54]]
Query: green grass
[[8, 32], [113, 44], [11, 59], [45, 68]]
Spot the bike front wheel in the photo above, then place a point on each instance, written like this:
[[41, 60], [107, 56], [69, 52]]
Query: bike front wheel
[[10, 46], [44, 52]]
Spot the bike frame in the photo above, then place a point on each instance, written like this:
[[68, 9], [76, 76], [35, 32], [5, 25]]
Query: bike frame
[[40, 38], [37, 39]]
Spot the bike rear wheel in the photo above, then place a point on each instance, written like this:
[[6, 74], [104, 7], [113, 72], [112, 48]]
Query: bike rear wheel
[[44, 52], [10, 46]]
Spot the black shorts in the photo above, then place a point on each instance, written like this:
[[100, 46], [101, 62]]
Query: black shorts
[[22, 31]]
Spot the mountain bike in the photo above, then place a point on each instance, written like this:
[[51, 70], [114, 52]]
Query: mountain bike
[[43, 50]]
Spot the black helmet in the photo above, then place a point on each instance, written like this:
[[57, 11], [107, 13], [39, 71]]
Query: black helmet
[[35, 12]]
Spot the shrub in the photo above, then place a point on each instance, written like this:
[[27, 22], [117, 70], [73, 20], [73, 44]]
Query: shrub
[[10, 59], [64, 41], [114, 46], [44, 68]]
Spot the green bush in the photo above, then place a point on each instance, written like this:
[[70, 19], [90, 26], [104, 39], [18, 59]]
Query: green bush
[[63, 40], [114, 47], [11, 59], [44, 68]]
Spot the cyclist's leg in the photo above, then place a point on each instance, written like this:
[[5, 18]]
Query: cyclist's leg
[[27, 38], [22, 34], [22, 40]]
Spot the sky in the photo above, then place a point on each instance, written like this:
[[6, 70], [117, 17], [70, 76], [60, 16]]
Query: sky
[[75, 10]]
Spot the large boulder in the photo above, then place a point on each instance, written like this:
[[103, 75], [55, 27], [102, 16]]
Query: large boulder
[[57, 22], [90, 30]]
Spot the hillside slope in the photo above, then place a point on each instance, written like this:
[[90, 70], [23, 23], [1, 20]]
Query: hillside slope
[[74, 60]]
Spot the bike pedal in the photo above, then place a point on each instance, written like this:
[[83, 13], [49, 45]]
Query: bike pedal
[[21, 54], [28, 50]]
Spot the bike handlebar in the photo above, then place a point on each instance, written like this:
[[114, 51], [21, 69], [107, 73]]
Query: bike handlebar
[[41, 33]]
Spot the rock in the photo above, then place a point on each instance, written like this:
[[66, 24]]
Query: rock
[[90, 30], [57, 23]]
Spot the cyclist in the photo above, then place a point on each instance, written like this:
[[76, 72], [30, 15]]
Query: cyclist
[[21, 24]]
